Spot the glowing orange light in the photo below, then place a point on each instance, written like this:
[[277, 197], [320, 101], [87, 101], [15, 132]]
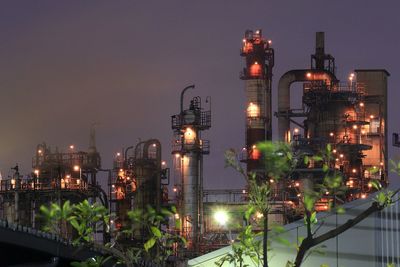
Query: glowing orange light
[[71, 146], [271, 181], [297, 184], [255, 69], [308, 74], [341, 155], [163, 163], [363, 195], [118, 154], [334, 151], [331, 134], [253, 110], [371, 116], [354, 170], [361, 104], [177, 155], [76, 168], [296, 130], [355, 127]]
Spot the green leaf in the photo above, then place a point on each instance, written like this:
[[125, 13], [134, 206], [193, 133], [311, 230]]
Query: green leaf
[[325, 168], [75, 224], [156, 232], [173, 209], [381, 198], [249, 212], [317, 158], [306, 160], [149, 244], [313, 217]]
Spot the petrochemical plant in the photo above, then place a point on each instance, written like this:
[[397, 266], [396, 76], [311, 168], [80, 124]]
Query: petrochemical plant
[[349, 115]]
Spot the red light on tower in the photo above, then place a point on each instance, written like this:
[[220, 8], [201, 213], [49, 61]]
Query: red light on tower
[[255, 70]]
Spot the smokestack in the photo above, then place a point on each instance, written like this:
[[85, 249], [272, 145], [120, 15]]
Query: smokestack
[[320, 50]]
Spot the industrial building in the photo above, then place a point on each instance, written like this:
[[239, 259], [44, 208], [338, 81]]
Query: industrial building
[[349, 115]]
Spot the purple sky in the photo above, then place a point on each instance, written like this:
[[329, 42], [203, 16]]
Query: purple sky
[[123, 64]]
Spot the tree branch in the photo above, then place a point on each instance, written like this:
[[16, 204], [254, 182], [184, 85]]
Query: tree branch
[[311, 242]]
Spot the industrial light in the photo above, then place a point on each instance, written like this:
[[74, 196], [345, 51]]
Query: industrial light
[[189, 135], [177, 155], [363, 195], [361, 104], [36, 172], [296, 130], [244, 191], [331, 134], [372, 116], [175, 189], [259, 215], [244, 40], [253, 110], [163, 163], [154, 145], [369, 185], [334, 151], [177, 216], [40, 151], [76, 168], [118, 154], [354, 170], [341, 155], [221, 216], [381, 163], [271, 181], [269, 42], [355, 127], [297, 184], [71, 146], [308, 74]]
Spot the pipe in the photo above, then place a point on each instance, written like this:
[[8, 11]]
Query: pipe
[[285, 82], [183, 93]]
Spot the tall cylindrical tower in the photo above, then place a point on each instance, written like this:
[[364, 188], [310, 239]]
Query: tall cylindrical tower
[[189, 148], [259, 60]]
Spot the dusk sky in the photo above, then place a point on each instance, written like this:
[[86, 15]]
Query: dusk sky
[[67, 64]]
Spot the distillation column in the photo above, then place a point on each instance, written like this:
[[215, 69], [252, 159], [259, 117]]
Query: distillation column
[[189, 148], [259, 60]]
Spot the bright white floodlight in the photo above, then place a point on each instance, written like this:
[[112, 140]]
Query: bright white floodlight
[[221, 216]]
